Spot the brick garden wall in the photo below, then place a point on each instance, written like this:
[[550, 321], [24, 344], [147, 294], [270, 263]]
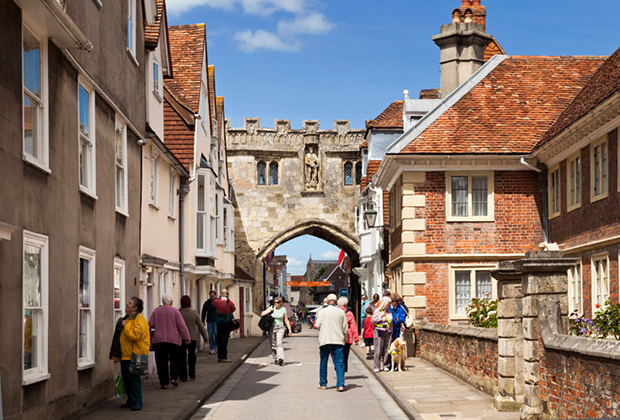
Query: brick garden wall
[[467, 352], [574, 385]]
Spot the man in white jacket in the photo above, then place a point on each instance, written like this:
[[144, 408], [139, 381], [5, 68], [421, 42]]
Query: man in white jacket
[[332, 324]]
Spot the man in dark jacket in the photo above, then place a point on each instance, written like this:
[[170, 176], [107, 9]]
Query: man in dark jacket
[[209, 315]]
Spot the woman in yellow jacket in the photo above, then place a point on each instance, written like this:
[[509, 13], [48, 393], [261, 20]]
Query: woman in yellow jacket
[[135, 338]]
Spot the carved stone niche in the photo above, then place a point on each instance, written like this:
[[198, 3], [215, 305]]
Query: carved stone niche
[[310, 126], [312, 165], [251, 125], [342, 126], [282, 126]]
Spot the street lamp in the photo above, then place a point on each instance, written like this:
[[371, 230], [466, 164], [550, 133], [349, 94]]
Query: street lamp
[[370, 216]]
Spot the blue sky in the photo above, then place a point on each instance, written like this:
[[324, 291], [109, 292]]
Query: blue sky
[[345, 59]]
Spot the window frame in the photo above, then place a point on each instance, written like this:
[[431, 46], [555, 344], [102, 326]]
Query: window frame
[[132, 25], [554, 191], [88, 361], [219, 222], [90, 160], [154, 180], [156, 76], [575, 281], [453, 268], [258, 178], [229, 239], [172, 195], [490, 217], [271, 165], [603, 140], [201, 177], [603, 257], [344, 174], [578, 187], [41, 372], [119, 265], [124, 205], [42, 136]]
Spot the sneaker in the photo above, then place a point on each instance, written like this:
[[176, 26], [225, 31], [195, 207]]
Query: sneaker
[[340, 389], [281, 362], [211, 351], [322, 387], [387, 369], [377, 370], [362, 345]]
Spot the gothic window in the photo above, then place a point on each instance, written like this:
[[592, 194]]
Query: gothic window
[[358, 173], [348, 173], [273, 173], [262, 173]]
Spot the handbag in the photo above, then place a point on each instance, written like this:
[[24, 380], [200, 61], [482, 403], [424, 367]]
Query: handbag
[[408, 320], [119, 387], [266, 322], [139, 363], [232, 324]]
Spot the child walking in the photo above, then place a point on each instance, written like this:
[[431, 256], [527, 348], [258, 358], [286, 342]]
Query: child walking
[[367, 332]]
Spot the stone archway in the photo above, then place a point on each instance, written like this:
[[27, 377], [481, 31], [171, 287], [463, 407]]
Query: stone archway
[[288, 183]]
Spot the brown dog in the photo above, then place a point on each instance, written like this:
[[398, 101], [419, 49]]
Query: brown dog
[[399, 354]]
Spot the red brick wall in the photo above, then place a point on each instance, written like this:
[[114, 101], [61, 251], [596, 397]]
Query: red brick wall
[[592, 221], [578, 386], [517, 227], [471, 358]]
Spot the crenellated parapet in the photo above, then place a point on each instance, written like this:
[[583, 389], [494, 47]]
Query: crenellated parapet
[[281, 137]]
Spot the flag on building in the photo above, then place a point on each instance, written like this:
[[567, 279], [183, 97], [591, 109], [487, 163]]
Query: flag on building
[[341, 259], [269, 258]]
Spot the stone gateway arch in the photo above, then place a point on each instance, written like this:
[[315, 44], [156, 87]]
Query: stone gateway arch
[[288, 183]]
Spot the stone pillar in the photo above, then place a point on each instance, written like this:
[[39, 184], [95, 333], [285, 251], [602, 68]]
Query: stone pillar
[[544, 275], [510, 384]]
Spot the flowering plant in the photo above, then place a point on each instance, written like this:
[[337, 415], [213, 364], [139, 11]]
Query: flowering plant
[[482, 312], [606, 322]]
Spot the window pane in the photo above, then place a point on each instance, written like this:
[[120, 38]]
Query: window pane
[[31, 125], [84, 291], [348, 173], [120, 187], [262, 176], [156, 77], [84, 322], [463, 290], [273, 173], [118, 145], [480, 196], [200, 228], [32, 276], [84, 159], [597, 169], [483, 284], [578, 180], [358, 173], [31, 332], [117, 288], [32, 63], [459, 196], [604, 167], [84, 111]]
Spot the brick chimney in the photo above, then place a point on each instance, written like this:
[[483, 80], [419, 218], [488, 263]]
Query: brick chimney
[[462, 44]]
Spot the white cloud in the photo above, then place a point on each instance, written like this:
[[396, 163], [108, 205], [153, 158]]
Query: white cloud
[[313, 24], [295, 265], [252, 7], [251, 41], [330, 255], [177, 7]]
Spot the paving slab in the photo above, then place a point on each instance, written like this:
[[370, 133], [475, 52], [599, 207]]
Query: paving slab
[[426, 392], [182, 402]]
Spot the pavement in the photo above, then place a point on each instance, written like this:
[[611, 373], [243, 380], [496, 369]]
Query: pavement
[[183, 401], [426, 392]]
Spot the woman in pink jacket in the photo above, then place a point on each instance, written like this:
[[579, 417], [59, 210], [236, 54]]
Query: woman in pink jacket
[[351, 334]]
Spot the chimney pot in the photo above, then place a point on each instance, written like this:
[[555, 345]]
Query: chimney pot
[[468, 16], [456, 16], [476, 3], [466, 3]]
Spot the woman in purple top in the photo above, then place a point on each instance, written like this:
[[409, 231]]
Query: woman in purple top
[[168, 332]]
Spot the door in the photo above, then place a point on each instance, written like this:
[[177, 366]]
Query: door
[[241, 312]]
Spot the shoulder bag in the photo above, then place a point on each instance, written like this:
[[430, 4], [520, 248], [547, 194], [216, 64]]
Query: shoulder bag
[[139, 363], [233, 324], [409, 319]]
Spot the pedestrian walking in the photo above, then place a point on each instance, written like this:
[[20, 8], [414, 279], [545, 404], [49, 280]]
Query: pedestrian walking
[[367, 332], [209, 316], [399, 315], [382, 334], [134, 338], [365, 302], [224, 308], [187, 359], [281, 326], [169, 332], [375, 301], [352, 335], [332, 324]]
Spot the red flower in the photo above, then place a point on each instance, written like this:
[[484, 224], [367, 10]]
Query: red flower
[[598, 305]]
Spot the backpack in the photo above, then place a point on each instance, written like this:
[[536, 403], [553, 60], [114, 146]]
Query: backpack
[[266, 322]]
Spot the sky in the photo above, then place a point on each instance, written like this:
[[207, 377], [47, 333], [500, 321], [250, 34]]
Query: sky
[[343, 59]]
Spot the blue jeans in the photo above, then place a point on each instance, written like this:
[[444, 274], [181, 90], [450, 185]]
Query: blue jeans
[[336, 351], [212, 330]]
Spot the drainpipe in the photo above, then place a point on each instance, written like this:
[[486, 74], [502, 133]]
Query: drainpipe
[[183, 191]]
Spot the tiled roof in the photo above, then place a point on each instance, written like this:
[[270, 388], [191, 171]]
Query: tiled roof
[[364, 144], [178, 134], [151, 31], [604, 83], [509, 110], [493, 48], [187, 47], [211, 88], [391, 117]]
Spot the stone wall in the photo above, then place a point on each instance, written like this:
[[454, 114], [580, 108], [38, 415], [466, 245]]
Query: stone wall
[[467, 352]]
